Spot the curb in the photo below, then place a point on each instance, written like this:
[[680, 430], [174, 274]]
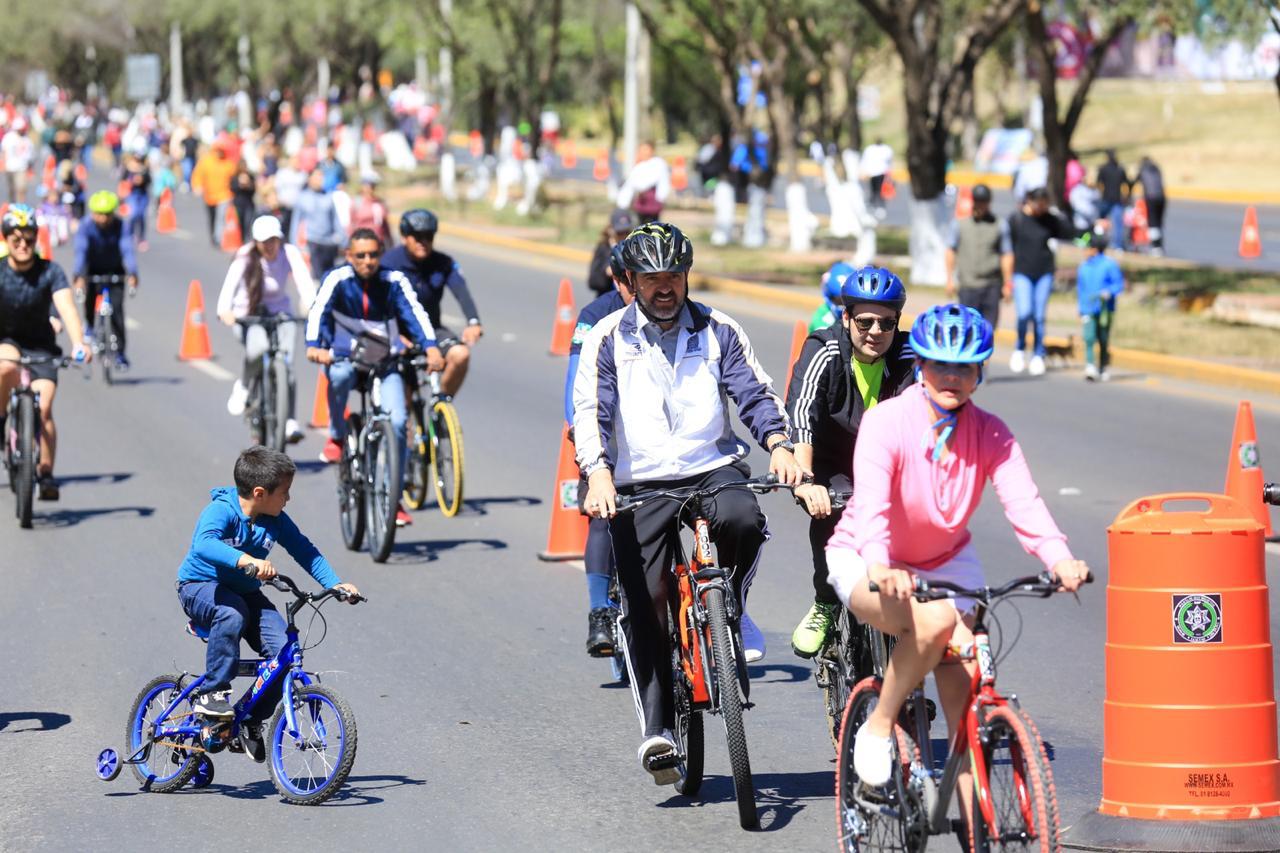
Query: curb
[[1175, 366]]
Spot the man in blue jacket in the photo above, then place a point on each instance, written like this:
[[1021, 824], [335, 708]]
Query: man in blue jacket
[[219, 581], [104, 247], [359, 301]]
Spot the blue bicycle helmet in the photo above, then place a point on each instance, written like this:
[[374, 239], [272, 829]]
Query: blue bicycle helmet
[[952, 333], [874, 284], [832, 282]]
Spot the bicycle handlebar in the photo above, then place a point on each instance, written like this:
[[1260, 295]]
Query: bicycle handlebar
[[59, 360], [760, 485], [284, 583], [1271, 494], [106, 278], [268, 320], [1044, 584]]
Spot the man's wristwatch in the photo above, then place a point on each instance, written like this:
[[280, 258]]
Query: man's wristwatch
[[786, 444]]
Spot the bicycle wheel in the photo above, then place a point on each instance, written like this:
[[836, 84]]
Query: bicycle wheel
[[106, 346], [276, 399], [171, 766], [381, 490], [1020, 782], [726, 663], [872, 820], [835, 674], [309, 768], [417, 467], [257, 410], [446, 457], [351, 488], [28, 453], [688, 728]]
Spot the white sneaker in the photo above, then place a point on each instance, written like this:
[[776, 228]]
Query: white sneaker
[[292, 432], [872, 757], [659, 759], [753, 647], [239, 397], [1036, 366], [1105, 376], [1017, 361], [1091, 372]]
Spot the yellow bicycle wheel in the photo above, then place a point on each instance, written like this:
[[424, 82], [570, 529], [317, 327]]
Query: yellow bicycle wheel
[[417, 466], [446, 457]]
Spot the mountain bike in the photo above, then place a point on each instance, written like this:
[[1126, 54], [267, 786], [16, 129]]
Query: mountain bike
[[1014, 806], [106, 346], [268, 405], [709, 667], [310, 740], [22, 435], [435, 443], [370, 458]]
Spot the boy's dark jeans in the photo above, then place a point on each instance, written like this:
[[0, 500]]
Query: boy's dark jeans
[[229, 615]]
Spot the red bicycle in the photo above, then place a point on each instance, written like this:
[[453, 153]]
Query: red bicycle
[[1014, 805]]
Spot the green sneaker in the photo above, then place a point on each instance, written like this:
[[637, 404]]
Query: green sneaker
[[810, 635]]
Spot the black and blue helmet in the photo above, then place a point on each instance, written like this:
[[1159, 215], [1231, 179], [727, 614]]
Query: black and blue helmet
[[956, 334], [874, 284]]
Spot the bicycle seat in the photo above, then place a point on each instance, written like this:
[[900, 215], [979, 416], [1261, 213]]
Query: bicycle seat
[[196, 631]]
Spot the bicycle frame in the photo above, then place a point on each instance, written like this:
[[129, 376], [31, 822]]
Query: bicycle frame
[[693, 627]]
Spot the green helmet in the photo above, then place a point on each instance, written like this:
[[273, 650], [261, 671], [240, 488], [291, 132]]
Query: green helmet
[[104, 201]]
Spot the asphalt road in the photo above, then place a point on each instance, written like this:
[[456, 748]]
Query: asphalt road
[[482, 723], [1202, 232]]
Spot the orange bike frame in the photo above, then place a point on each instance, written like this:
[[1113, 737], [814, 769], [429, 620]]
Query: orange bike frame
[[690, 649]]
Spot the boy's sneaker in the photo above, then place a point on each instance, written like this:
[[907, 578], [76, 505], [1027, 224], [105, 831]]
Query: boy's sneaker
[[292, 431], [752, 639], [214, 704], [659, 758], [251, 741], [1090, 372], [332, 452], [239, 397], [1036, 366], [1017, 361], [811, 634]]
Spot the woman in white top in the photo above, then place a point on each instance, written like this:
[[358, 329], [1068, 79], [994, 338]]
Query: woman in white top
[[255, 285]]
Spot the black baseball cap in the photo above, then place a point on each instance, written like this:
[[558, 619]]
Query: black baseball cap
[[981, 192]]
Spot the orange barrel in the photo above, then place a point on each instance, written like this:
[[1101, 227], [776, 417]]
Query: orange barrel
[[1190, 712]]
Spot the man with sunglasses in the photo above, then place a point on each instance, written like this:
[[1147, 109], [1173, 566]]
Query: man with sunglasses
[[431, 272], [842, 372], [29, 287], [361, 299]]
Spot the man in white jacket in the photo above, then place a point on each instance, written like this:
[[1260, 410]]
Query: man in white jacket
[[647, 186]]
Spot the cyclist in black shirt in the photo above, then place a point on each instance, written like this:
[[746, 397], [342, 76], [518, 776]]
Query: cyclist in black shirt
[[431, 272]]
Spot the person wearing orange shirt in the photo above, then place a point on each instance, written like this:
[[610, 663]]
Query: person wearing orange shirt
[[212, 179]]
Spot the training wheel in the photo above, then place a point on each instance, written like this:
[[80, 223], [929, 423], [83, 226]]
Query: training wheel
[[108, 764], [204, 773]]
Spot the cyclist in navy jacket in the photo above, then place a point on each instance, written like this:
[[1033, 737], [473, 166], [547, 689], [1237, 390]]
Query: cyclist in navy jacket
[[361, 299]]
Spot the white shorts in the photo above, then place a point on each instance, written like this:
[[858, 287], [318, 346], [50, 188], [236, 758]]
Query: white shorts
[[845, 568]]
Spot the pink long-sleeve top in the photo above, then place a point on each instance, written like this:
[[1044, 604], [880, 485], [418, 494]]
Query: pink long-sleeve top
[[909, 509]]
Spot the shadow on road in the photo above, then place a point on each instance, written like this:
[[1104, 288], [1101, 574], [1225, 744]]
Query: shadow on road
[[429, 551], [72, 517], [779, 796], [310, 466], [44, 721], [107, 479], [787, 673], [357, 791], [480, 506], [149, 380]]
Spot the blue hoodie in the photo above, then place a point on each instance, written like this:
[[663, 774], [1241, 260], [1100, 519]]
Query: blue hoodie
[[224, 534], [104, 252], [1097, 275]]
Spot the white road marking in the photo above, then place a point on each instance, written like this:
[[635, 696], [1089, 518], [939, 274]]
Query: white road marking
[[1273, 547], [508, 337], [208, 368], [1068, 491], [132, 324]]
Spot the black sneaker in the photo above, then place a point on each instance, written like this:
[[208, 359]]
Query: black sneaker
[[251, 741], [600, 642], [49, 488], [214, 704]]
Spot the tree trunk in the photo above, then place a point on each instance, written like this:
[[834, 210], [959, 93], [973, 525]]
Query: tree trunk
[[1055, 139], [487, 103], [854, 121]]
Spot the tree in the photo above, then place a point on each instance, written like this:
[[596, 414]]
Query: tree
[[939, 43]]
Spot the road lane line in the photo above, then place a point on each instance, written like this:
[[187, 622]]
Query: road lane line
[[132, 324], [208, 368]]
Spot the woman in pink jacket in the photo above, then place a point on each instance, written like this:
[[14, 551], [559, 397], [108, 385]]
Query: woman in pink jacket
[[920, 464]]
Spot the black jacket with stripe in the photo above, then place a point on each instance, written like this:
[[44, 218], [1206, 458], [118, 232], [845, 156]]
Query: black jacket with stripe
[[823, 400]]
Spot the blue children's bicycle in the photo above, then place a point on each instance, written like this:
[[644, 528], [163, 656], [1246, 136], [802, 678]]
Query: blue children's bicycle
[[310, 742]]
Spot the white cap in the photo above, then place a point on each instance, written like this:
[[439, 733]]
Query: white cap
[[266, 227]]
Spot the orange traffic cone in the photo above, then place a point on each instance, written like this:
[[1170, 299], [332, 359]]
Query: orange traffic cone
[[420, 149], [475, 143], [600, 170], [679, 174], [166, 216], [798, 334], [964, 203], [568, 154], [50, 165], [567, 534], [1139, 235], [1250, 242], [320, 409], [231, 239], [1244, 467], [517, 148], [195, 334], [44, 243], [888, 190], [562, 331]]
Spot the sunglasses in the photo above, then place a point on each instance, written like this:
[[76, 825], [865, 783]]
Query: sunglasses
[[17, 236], [364, 256], [864, 324]]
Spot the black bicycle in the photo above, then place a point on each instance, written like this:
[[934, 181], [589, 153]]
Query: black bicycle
[[22, 435], [367, 489], [435, 441], [106, 346], [268, 408], [709, 666]]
